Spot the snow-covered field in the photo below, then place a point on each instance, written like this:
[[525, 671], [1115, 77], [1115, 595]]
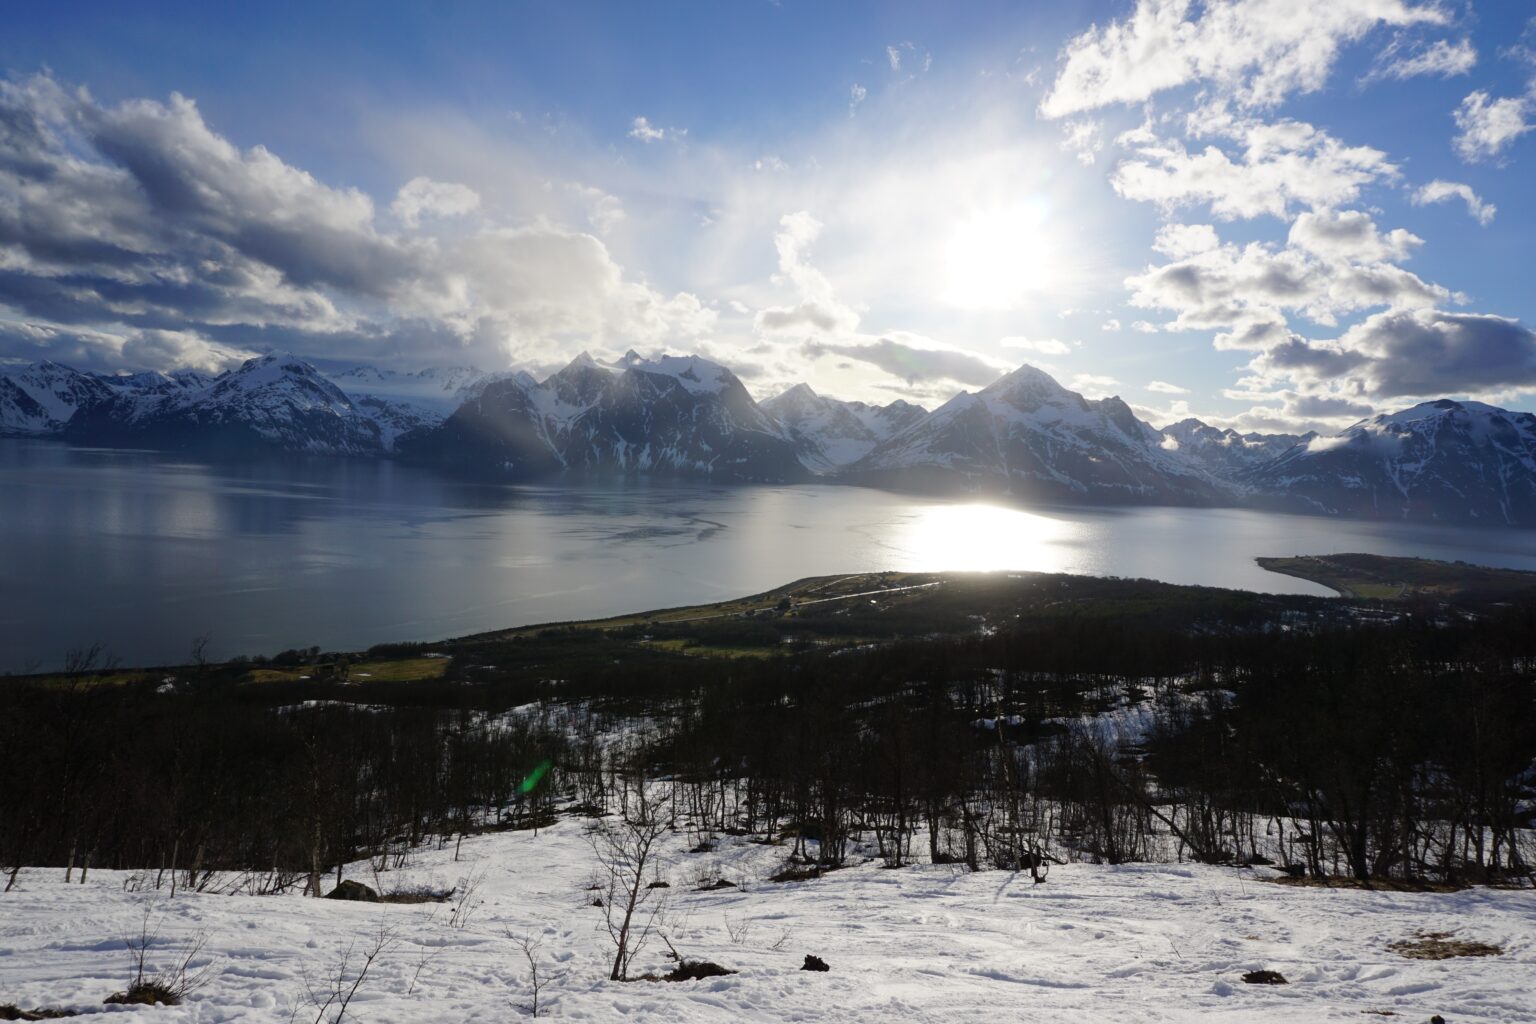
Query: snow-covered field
[[1099, 944]]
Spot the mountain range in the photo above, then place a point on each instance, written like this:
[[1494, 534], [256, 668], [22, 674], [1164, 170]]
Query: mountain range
[[1025, 435]]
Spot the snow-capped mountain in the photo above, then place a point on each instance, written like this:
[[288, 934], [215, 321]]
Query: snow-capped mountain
[[830, 433], [1446, 461], [273, 401], [401, 402], [1226, 453], [673, 414], [1027, 435], [40, 399]]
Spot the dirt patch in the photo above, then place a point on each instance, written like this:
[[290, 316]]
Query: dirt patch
[[13, 1012], [694, 970], [1377, 885], [1441, 946]]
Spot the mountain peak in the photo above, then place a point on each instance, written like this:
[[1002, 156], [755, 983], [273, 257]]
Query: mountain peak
[[1027, 379]]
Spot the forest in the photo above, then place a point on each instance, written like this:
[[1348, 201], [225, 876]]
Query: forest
[[997, 722]]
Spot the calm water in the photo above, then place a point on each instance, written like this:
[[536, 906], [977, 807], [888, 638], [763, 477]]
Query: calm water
[[143, 552]]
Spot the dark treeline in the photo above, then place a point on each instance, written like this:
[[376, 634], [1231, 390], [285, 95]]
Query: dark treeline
[[1395, 747]]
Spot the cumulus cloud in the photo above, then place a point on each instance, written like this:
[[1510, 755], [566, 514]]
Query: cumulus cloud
[[1392, 357], [1487, 126], [1248, 291], [1439, 191], [1276, 166], [914, 359], [1350, 236], [1162, 387], [1422, 353], [818, 309], [421, 196], [119, 221], [1044, 346], [1258, 51], [1442, 58]]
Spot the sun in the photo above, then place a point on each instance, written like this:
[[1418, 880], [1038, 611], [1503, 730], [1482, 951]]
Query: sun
[[994, 258]]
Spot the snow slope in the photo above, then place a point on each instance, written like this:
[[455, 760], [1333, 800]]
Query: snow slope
[[1447, 461], [673, 414], [1226, 453], [832, 433], [1029, 436], [1132, 944]]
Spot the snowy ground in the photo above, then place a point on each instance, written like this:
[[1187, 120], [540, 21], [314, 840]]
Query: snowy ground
[[1099, 944]]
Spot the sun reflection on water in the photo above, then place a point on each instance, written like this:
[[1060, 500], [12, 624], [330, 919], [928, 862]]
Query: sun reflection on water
[[977, 537]]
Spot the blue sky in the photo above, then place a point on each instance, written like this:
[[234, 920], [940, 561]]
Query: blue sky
[[1268, 213]]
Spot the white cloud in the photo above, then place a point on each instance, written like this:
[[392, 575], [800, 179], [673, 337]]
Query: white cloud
[[1091, 385], [1487, 126], [1084, 139], [1249, 290], [1441, 58], [138, 230], [856, 95], [1162, 387], [1258, 51], [1181, 240], [1278, 165], [893, 55], [1439, 191], [1144, 327], [1110, 325], [436, 198], [1044, 346], [1350, 236], [642, 129], [818, 309], [173, 350]]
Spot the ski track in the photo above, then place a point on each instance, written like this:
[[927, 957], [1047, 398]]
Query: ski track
[[1134, 943]]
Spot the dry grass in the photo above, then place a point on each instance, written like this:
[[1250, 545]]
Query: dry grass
[[1441, 946]]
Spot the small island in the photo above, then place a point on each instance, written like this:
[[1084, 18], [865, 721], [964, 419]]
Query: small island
[[1384, 578]]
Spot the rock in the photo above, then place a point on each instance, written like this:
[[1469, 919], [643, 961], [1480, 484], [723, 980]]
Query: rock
[[1265, 978], [356, 891], [693, 970], [814, 963]]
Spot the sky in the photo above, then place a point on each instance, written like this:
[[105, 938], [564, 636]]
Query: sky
[[1270, 214]]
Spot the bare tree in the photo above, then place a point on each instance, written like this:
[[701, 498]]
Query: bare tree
[[199, 650], [626, 848], [530, 947], [331, 995]]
